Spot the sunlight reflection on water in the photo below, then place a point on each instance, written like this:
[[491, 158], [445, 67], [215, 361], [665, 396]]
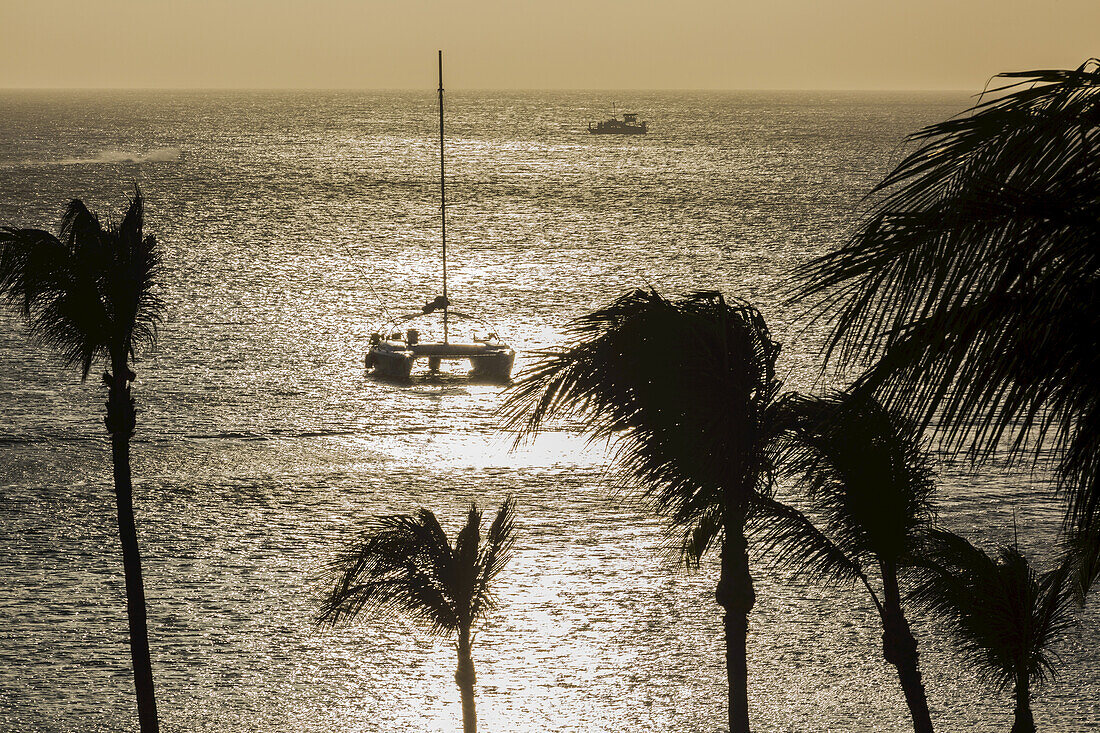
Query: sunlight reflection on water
[[262, 446]]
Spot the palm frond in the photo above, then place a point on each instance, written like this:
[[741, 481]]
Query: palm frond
[[679, 386], [134, 298], [1004, 615], [1082, 557], [462, 573], [790, 540], [90, 293], [973, 283], [38, 274], [493, 556], [863, 470], [32, 264], [700, 535], [404, 563], [399, 565]]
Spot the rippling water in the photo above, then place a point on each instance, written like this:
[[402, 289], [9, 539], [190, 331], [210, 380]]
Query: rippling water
[[291, 222]]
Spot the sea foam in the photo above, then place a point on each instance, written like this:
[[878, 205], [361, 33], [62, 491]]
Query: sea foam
[[156, 155]]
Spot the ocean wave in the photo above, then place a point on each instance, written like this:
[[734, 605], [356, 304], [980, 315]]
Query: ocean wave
[[156, 155], [266, 435]]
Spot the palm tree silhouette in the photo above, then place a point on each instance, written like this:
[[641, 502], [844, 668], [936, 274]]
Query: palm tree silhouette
[[870, 483], [89, 294], [973, 283], [687, 390], [405, 563], [1004, 615]]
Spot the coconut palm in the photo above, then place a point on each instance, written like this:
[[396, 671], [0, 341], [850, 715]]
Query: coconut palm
[[1003, 614], [870, 485], [974, 284], [405, 563], [90, 294], [687, 391]]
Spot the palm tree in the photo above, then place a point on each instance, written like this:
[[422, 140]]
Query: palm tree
[[89, 294], [1004, 615], [405, 563], [687, 391], [974, 284], [870, 483]]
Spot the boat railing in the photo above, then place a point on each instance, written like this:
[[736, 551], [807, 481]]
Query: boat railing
[[426, 327]]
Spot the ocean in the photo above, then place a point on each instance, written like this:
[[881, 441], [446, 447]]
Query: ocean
[[291, 224]]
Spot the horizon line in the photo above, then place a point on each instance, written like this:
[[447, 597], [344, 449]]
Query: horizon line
[[478, 89]]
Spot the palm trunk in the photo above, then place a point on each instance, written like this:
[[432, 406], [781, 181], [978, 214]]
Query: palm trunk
[[465, 679], [120, 423], [899, 647], [736, 595], [1025, 722]]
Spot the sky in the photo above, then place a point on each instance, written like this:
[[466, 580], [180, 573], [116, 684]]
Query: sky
[[549, 44]]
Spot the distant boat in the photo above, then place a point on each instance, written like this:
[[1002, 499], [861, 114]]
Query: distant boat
[[396, 347], [628, 125]]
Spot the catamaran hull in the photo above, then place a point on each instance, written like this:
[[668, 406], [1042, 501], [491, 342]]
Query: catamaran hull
[[391, 364], [488, 362], [495, 368]]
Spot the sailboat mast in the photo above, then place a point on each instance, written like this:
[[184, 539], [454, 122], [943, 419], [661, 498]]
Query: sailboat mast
[[442, 199]]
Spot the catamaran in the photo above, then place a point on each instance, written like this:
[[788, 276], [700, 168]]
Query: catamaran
[[395, 347]]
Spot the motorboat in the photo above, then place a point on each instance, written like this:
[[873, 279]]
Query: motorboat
[[628, 125]]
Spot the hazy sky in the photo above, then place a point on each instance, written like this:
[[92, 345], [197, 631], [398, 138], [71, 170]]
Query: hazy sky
[[519, 44]]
